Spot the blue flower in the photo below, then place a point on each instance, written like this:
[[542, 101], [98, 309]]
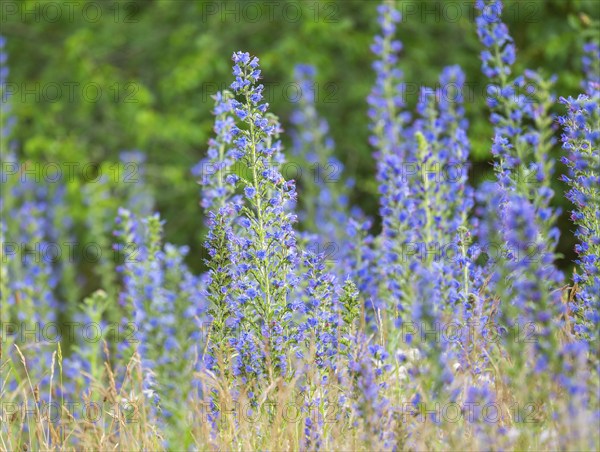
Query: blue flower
[[249, 192]]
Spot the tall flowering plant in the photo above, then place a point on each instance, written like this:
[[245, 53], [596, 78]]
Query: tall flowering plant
[[520, 114], [333, 228], [263, 254], [387, 122], [157, 290], [318, 167], [581, 141], [218, 202], [524, 279], [522, 125]]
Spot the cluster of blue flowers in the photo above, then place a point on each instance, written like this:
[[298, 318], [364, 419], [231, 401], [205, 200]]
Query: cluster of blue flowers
[[275, 315], [581, 141]]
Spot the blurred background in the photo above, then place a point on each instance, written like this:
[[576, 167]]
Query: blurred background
[[90, 79]]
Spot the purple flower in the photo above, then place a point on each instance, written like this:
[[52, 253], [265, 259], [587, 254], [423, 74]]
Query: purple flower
[[581, 140]]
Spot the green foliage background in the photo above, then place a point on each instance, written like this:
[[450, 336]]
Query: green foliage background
[[158, 61]]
